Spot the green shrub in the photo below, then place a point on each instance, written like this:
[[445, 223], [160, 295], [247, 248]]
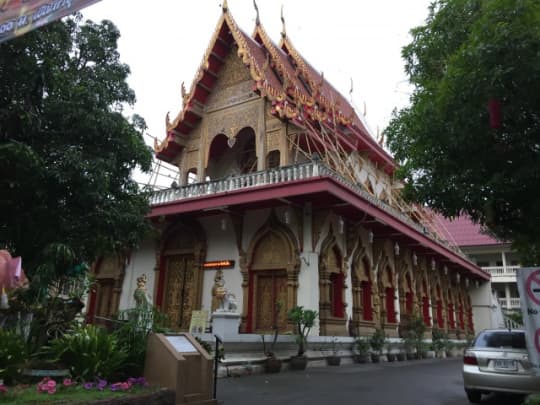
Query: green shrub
[[533, 399], [377, 341], [13, 354], [134, 326], [362, 345], [304, 320], [439, 340], [89, 352], [413, 334]]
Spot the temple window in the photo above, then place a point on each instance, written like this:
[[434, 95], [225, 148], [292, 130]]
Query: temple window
[[246, 154], [425, 305], [336, 295], [273, 159], [191, 176], [389, 295]]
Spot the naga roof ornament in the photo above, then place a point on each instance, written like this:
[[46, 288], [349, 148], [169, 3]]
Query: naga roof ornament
[[283, 30], [257, 19]]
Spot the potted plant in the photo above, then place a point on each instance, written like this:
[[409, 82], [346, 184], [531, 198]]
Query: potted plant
[[408, 346], [390, 355], [272, 364], [376, 342], [334, 359], [362, 349], [413, 333], [400, 355], [438, 340], [303, 319]]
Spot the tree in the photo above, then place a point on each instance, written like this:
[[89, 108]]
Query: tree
[[470, 140], [66, 150]]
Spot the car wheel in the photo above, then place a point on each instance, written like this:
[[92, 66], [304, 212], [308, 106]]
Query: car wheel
[[474, 396]]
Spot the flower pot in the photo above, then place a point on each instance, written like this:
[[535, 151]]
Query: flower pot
[[333, 360], [298, 362], [400, 357], [391, 357], [361, 358], [272, 365], [411, 356], [375, 358]]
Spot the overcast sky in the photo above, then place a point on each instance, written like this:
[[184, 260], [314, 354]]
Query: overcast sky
[[163, 42]]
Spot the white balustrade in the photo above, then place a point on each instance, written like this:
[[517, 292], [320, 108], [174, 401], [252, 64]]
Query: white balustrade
[[501, 271]]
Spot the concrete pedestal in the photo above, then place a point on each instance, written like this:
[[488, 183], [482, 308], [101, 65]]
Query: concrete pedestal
[[225, 324]]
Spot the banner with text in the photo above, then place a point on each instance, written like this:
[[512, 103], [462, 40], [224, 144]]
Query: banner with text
[[528, 281], [17, 17]]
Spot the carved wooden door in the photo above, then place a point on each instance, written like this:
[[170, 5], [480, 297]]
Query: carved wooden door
[[271, 288], [104, 300], [181, 291]]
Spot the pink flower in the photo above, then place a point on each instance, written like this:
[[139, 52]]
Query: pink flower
[[3, 389], [47, 385], [68, 382]]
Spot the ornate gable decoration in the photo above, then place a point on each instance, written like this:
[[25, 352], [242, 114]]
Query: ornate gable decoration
[[295, 89]]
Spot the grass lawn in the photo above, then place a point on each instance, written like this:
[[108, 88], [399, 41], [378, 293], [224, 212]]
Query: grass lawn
[[65, 395]]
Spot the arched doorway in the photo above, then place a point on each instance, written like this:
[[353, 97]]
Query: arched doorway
[[105, 294], [181, 275], [271, 272], [232, 156]]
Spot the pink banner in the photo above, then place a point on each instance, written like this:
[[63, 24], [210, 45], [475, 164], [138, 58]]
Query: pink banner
[[17, 17]]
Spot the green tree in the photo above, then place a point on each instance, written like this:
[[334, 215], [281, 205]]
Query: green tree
[[66, 149], [470, 140]]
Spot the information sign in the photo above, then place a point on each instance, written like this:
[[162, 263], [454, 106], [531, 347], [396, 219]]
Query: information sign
[[181, 344]]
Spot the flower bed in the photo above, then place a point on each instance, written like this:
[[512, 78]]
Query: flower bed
[[48, 390]]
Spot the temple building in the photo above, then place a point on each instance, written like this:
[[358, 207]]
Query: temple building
[[285, 197]]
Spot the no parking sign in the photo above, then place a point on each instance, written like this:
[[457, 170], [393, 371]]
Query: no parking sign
[[528, 281]]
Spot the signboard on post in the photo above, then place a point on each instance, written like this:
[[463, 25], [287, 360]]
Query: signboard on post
[[179, 363], [528, 281]]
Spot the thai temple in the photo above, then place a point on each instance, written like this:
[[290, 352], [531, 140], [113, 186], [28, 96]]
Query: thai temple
[[285, 197]]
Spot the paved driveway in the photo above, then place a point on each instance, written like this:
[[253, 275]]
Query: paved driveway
[[424, 382]]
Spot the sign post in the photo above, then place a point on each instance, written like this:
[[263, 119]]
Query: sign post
[[528, 281], [179, 363]]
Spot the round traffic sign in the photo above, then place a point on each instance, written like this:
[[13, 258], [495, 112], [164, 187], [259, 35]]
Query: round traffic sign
[[532, 286], [537, 340]]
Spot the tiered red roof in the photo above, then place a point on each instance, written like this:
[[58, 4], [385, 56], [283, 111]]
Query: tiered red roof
[[298, 92]]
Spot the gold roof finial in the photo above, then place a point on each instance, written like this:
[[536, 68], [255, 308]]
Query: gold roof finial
[[257, 20], [283, 31], [224, 6]]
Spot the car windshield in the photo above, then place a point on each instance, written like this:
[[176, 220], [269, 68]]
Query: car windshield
[[499, 339]]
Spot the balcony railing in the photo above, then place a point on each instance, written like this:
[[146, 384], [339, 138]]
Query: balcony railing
[[286, 174], [514, 303], [501, 271]]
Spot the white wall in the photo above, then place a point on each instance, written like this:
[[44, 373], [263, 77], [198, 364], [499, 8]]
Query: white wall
[[481, 306], [143, 261], [221, 245]]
